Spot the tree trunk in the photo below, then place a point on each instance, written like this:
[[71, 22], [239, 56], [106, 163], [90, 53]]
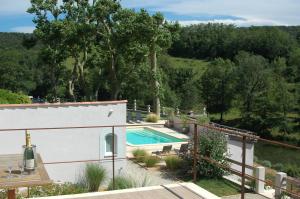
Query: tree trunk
[[153, 62], [115, 86], [71, 85]]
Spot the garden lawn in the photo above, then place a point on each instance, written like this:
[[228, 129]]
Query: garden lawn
[[220, 187], [276, 154]]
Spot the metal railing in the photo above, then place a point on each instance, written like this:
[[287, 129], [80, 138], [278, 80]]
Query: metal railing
[[245, 136]]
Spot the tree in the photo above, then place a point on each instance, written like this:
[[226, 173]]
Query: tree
[[217, 86], [157, 34], [252, 81], [50, 30], [80, 36], [117, 34]]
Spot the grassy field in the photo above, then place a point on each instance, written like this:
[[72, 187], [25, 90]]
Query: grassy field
[[219, 187], [276, 154]]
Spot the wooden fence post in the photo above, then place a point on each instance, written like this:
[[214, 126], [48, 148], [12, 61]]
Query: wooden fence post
[[243, 168], [195, 152]]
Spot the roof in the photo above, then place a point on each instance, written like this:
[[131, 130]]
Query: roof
[[61, 104]]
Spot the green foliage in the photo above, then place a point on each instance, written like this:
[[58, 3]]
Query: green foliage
[[203, 119], [266, 163], [278, 167], [213, 145], [122, 182], [94, 175], [217, 86], [151, 161], [139, 154], [152, 118], [7, 97], [173, 163], [56, 190], [292, 170], [209, 41]]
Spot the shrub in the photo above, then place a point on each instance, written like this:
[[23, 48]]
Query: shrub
[[292, 170], [203, 120], [266, 163], [8, 97], [121, 182], [152, 118], [213, 145], [139, 154], [173, 162], [278, 167], [94, 176], [151, 161]]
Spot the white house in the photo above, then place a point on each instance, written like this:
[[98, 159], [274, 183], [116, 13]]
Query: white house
[[72, 144]]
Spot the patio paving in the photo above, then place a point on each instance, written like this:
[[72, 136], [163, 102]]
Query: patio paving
[[171, 191], [247, 196]]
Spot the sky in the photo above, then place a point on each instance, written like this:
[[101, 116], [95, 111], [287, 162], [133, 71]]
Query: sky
[[13, 16]]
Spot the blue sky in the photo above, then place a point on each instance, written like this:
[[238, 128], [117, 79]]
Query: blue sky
[[13, 16]]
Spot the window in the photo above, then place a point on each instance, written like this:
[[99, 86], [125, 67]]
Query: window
[[109, 144]]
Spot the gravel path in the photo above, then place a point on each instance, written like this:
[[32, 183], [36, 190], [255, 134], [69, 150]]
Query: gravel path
[[151, 176]]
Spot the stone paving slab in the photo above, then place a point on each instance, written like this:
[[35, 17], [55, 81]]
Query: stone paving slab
[[247, 196]]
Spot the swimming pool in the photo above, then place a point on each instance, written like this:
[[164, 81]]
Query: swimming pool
[[143, 136]]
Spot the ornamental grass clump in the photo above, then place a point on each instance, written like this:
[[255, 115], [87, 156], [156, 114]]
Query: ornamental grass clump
[[121, 182], [173, 162], [94, 176], [139, 154], [151, 117], [151, 161]]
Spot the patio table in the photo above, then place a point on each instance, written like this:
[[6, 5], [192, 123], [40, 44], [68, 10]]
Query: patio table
[[37, 178]]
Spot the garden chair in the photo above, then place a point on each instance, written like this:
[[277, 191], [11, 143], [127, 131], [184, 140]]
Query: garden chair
[[166, 149], [183, 150]]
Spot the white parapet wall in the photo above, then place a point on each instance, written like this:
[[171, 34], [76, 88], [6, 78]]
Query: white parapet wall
[[61, 145]]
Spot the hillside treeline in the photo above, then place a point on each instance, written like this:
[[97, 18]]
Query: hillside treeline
[[253, 71]]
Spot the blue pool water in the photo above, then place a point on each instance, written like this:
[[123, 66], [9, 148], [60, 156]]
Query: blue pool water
[[146, 136]]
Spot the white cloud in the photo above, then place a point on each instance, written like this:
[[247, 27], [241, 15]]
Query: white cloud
[[240, 23], [23, 29], [12, 7], [279, 11]]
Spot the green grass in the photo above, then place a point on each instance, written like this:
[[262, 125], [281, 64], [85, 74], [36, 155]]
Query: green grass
[[219, 187], [276, 154], [197, 64]]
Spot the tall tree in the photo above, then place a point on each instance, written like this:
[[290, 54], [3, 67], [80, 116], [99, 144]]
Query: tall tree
[[117, 42], [156, 32], [80, 37], [252, 80], [50, 30], [217, 86]]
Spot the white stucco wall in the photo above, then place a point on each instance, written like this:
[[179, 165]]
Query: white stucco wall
[[65, 144]]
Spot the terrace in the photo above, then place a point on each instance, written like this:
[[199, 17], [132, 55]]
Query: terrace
[[104, 133]]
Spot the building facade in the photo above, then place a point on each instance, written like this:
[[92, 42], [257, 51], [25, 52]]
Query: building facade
[[64, 143]]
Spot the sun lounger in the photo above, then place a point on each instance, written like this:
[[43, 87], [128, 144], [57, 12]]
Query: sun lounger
[[183, 150], [165, 150]]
